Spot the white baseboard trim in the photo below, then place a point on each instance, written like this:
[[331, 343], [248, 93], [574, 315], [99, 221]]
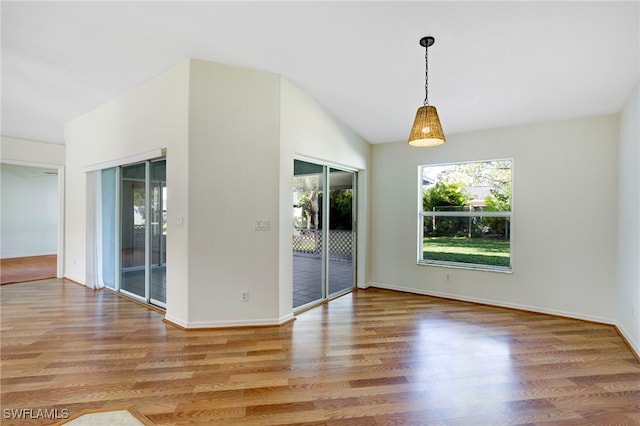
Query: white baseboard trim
[[175, 321], [627, 337], [286, 318], [75, 279], [498, 303], [192, 325]]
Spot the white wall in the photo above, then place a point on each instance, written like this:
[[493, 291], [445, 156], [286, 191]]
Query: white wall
[[245, 128], [564, 218], [31, 153], [151, 116], [629, 222], [309, 131], [29, 213], [233, 181], [231, 135]]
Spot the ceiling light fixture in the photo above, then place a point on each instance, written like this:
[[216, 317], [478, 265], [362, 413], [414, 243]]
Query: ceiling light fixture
[[426, 130]]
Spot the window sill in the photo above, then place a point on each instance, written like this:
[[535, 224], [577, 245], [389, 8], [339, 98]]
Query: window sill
[[473, 267]]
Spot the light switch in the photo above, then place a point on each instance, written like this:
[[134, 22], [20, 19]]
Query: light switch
[[179, 221]]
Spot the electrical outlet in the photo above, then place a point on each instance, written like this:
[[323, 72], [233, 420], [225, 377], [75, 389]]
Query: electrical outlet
[[244, 296]]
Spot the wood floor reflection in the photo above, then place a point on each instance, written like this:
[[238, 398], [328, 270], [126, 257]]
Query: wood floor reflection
[[372, 357], [21, 269]]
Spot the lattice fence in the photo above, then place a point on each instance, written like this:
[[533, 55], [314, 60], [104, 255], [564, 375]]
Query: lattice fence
[[309, 242]]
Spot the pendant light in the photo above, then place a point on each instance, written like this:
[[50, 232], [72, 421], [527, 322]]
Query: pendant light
[[426, 130]]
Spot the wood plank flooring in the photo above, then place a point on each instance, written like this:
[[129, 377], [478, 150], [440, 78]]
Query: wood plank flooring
[[372, 357], [21, 269]]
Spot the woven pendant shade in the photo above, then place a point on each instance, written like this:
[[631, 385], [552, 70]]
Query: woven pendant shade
[[426, 130]]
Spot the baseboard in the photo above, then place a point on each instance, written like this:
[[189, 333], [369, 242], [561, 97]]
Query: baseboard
[[491, 302], [176, 322], [198, 325], [629, 342], [74, 279]]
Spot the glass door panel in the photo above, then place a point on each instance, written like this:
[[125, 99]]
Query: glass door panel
[[132, 226], [323, 232], [133, 208], [108, 223], [341, 244], [158, 217], [308, 268]]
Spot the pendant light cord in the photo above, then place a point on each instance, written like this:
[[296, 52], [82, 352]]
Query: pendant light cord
[[426, 75]]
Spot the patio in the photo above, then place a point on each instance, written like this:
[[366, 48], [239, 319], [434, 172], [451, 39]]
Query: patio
[[307, 277]]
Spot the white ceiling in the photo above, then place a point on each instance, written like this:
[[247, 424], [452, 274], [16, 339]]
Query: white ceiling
[[494, 64]]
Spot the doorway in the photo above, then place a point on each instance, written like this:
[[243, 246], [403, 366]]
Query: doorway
[[133, 227], [30, 247], [324, 237]]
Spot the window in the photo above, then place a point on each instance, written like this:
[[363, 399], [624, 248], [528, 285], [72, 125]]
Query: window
[[465, 215]]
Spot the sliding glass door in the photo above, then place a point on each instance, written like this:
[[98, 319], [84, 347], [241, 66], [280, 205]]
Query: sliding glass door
[[134, 215], [323, 232], [341, 248], [108, 228], [133, 200], [158, 233], [308, 263]]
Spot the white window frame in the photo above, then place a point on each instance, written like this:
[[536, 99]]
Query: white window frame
[[422, 214]]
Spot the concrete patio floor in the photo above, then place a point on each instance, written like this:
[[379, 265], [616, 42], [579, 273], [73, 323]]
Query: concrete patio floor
[[307, 278]]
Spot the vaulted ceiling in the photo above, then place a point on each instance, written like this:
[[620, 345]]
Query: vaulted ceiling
[[494, 64]]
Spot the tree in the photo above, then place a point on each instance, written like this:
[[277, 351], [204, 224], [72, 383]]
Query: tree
[[341, 209], [498, 202], [493, 174], [309, 199], [496, 174], [445, 196]]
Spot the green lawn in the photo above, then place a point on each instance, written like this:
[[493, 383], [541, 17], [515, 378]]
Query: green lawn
[[482, 251]]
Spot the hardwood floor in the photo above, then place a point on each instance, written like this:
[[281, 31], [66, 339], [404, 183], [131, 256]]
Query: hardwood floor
[[21, 269], [372, 357]]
